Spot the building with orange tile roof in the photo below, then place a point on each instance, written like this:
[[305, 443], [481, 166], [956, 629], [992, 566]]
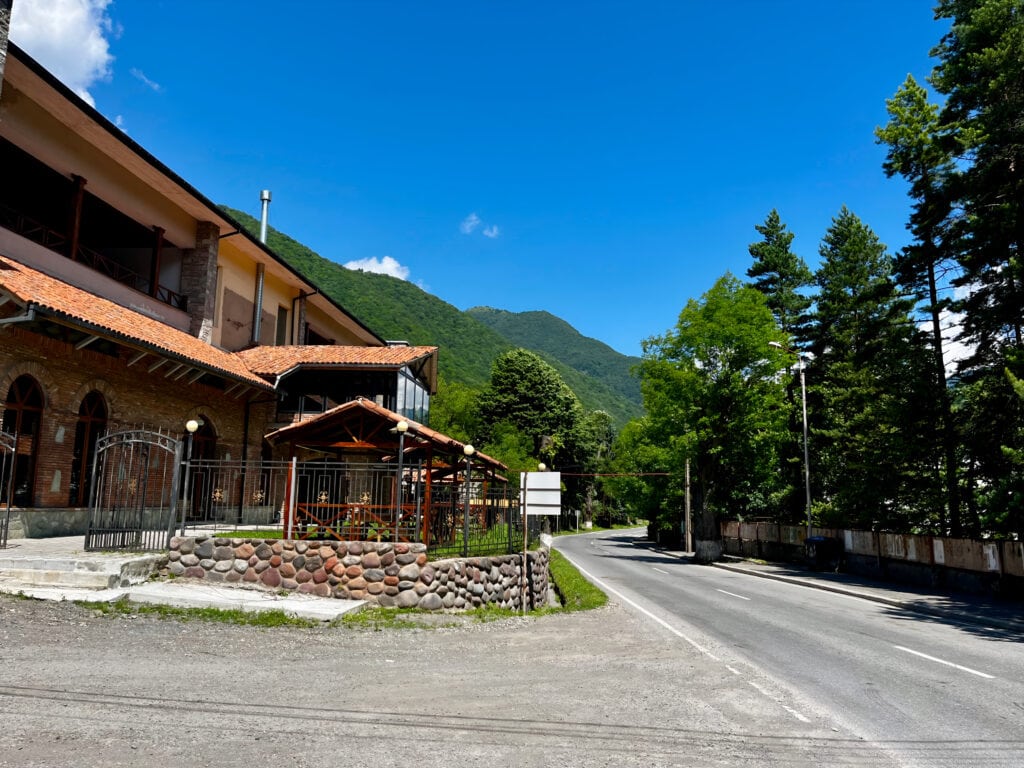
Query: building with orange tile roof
[[129, 299]]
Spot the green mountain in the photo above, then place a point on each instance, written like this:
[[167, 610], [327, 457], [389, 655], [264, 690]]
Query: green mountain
[[544, 333], [397, 309]]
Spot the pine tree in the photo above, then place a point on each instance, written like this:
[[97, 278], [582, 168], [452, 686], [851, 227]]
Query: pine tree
[[867, 383], [919, 151], [980, 71], [780, 274], [784, 279]]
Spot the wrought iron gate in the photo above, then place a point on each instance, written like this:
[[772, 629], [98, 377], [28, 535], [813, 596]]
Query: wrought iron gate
[[8, 452], [134, 491]]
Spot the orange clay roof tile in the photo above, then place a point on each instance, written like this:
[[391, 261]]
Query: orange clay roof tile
[[58, 299], [272, 361]]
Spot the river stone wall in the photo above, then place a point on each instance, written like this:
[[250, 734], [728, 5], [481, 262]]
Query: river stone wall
[[390, 575]]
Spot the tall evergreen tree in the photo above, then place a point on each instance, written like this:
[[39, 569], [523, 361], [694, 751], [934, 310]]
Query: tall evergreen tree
[[867, 384], [784, 279], [780, 274], [918, 150], [981, 73]]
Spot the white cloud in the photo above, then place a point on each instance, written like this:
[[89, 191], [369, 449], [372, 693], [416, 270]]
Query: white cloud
[[68, 37], [139, 75], [473, 222], [383, 266]]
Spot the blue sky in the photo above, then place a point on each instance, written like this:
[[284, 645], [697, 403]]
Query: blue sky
[[603, 161]]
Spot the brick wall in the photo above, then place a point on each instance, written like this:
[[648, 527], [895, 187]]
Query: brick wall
[[134, 396]]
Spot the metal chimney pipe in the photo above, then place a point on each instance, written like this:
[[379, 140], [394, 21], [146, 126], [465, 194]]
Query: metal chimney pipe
[[265, 200], [257, 302]]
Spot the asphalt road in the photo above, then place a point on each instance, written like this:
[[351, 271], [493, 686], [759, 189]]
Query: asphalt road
[[921, 690], [606, 687]]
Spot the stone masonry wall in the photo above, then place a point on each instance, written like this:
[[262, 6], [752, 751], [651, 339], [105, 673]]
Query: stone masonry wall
[[390, 575]]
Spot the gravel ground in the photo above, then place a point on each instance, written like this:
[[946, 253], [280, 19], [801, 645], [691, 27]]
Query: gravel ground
[[602, 688]]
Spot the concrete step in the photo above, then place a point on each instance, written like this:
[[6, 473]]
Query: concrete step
[[95, 572]]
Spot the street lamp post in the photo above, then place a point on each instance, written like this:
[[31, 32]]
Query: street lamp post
[[401, 427], [469, 451], [190, 427], [803, 400]]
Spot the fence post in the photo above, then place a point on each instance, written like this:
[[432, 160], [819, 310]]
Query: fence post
[[291, 492]]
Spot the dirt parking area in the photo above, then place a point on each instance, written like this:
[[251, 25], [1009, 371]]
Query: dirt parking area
[[602, 688]]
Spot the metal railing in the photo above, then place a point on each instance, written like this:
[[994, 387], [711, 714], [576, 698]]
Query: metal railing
[[350, 501], [29, 228]]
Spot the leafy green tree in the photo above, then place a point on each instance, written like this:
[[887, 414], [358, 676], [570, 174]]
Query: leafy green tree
[[919, 151], [642, 460], [711, 382], [873, 459], [528, 393], [453, 410], [596, 438]]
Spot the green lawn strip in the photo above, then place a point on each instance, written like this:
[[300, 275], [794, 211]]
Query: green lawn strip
[[576, 592], [125, 607]]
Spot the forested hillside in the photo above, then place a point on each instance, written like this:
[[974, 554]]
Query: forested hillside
[[397, 309], [544, 333]]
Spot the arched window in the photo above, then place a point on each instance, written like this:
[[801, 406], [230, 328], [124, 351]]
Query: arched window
[[92, 422], [23, 412]]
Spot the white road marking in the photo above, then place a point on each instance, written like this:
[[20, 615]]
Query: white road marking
[[732, 594], [661, 571], [642, 610], [943, 661], [778, 700], [603, 585]]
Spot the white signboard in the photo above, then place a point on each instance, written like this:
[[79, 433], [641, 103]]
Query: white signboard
[[541, 492]]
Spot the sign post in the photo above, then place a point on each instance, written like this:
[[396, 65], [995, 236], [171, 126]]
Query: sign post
[[541, 495]]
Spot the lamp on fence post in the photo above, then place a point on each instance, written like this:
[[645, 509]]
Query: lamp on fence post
[[401, 427], [469, 451], [803, 399], [190, 427]]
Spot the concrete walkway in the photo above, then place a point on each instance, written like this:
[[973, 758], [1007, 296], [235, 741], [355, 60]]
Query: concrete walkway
[[60, 569]]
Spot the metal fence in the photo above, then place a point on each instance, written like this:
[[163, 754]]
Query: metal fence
[[8, 452], [351, 501]]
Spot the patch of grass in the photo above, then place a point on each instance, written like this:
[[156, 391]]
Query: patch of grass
[[125, 607], [269, 533], [576, 592]]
